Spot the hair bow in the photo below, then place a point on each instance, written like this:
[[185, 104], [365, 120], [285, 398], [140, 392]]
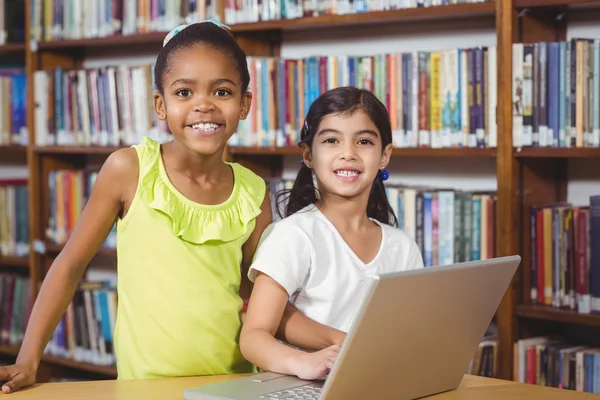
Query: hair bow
[[178, 29]]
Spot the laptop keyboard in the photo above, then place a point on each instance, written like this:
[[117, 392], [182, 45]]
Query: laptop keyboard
[[302, 392]]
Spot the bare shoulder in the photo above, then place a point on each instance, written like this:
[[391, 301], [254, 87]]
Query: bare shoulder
[[120, 173]]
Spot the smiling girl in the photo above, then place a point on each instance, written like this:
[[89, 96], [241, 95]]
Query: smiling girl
[[335, 237]]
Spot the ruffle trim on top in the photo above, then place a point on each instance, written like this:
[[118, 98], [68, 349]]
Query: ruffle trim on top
[[199, 223]]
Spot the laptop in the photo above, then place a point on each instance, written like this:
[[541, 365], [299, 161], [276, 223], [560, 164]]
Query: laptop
[[414, 336]]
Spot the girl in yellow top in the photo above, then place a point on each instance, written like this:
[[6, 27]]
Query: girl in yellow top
[[186, 222]]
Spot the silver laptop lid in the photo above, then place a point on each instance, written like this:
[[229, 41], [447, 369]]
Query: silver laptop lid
[[418, 330]]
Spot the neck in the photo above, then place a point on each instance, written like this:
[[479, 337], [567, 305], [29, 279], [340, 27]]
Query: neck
[[205, 167], [346, 213]]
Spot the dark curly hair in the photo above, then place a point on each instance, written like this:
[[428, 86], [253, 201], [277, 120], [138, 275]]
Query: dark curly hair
[[206, 33]]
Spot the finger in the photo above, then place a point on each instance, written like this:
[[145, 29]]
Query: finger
[[5, 374], [14, 384]]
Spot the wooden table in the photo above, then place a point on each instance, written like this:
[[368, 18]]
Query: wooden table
[[471, 388]]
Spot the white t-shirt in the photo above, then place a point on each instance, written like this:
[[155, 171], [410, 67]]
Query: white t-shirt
[[324, 278]]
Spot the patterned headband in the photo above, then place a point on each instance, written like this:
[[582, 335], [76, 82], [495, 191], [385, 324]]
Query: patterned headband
[[175, 31]]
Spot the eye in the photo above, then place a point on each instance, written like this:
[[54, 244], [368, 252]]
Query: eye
[[222, 92], [365, 141], [183, 92], [330, 141]]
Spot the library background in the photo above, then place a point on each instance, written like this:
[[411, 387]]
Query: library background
[[495, 108]]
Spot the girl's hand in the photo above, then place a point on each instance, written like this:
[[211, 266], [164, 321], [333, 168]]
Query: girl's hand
[[17, 376], [310, 366]]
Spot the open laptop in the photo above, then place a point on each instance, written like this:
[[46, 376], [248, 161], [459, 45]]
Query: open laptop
[[414, 336]]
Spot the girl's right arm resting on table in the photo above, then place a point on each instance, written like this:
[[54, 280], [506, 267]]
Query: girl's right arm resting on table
[[259, 345], [257, 340], [63, 277], [299, 330]]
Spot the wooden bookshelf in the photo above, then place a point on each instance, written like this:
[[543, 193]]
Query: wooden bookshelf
[[13, 154], [109, 371], [91, 150], [13, 48], [454, 11], [9, 350], [436, 13], [554, 3], [557, 152], [564, 316], [14, 262]]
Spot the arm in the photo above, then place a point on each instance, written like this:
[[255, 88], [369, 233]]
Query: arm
[[259, 345], [61, 281], [300, 331], [249, 248]]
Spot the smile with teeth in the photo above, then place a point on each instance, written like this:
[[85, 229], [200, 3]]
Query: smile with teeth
[[207, 127], [345, 172]]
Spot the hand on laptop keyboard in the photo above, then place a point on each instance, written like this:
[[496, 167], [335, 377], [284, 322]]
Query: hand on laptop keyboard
[[311, 366]]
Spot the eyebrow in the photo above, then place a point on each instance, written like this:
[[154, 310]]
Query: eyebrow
[[190, 81], [363, 131]]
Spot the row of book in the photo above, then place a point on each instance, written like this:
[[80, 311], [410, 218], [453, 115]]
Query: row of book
[[107, 106], [257, 10], [15, 307], [14, 217], [85, 332], [552, 362], [68, 192], [565, 256], [434, 99], [13, 106], [556, 93], [78, 19], [448, 225]]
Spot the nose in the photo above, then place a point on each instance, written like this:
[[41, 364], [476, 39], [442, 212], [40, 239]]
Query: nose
[[348, 151], [204, 104]]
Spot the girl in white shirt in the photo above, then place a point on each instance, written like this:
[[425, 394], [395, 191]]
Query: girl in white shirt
[[335, 236]]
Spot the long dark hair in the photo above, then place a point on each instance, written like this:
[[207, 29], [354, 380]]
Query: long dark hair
[[342, 100]]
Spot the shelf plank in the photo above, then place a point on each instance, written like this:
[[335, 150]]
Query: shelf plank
[[108, 370], [17, 262], [556, 152], [76, 150], [447, 12], [13, 154], [54, 249], [547, 313], [554, 3], [9, 350], [398, 152], [108, 41], [11, 48]]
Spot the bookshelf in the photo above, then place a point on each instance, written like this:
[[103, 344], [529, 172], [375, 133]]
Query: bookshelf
[[517, 168]]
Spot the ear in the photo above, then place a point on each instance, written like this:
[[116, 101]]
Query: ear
[[306, 155], [246, 104], [386, 155], [159, 106]]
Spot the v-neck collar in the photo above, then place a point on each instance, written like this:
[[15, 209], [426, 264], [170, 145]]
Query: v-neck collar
[[348, 248]]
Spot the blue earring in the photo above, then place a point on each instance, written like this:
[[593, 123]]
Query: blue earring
[[384, 174]]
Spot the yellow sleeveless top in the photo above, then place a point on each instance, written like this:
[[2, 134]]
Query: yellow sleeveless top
[[179, 273]]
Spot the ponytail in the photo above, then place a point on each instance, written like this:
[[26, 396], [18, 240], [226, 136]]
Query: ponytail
[[379, 207], [302, 194]]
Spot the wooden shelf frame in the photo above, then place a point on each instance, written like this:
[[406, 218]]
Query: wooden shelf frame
[[515, 167], [547, 313], [554, 3], [14, 262], [447, 12]]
